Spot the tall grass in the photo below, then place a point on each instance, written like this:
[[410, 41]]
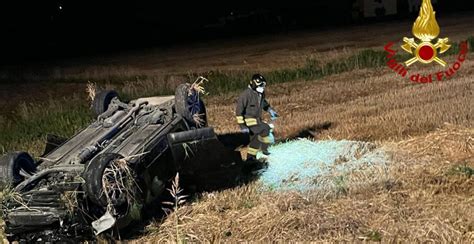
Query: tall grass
[[32, 122], [228, 81]]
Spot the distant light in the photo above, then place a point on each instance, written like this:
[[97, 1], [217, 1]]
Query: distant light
[[60, 7]]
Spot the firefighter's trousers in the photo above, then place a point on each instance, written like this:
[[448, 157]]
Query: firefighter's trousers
[[259, 138]]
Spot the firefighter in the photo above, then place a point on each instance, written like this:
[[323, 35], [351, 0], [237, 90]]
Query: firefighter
[[248, 112]]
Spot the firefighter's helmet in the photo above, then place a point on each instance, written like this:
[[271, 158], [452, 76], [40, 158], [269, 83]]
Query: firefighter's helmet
[[257, 81]]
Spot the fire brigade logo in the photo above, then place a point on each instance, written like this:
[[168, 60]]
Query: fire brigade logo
[[426, 29], [425, 49]]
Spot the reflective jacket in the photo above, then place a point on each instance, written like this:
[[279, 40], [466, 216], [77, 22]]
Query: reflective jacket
[[249, 107]]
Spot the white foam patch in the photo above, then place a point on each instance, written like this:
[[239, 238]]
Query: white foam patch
[[295, 165]]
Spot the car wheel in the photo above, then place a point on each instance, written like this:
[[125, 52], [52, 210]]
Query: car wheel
[[14, 167], [102, 100], [189, 106], [96, 175]]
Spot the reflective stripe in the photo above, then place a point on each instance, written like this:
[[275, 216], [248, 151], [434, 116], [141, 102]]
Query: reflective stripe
[[240, 119], [265, 139], [250, 121], [252, 151]]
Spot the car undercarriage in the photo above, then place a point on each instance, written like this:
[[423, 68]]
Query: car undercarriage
[[102, 179]]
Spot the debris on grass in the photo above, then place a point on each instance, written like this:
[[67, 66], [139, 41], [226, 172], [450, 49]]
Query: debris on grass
[[198, 86], [118, 181], [9, 194], [91, 90], [196, 89], [305, 164], [70, 199]]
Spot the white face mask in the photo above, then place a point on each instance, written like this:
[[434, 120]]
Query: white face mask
[[260, 89]]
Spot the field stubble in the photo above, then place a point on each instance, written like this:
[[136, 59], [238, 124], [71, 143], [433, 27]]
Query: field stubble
[[367, 104], [425, 195]]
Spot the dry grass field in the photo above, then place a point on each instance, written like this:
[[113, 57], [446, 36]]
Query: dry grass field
[[425, 194], [370, 104]]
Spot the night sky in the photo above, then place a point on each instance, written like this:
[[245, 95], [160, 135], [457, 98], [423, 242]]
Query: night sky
[[53, 29]]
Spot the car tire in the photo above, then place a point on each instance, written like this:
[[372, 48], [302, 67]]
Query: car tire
[[93, 177], [12, 165], [188, 105], [102, 100]]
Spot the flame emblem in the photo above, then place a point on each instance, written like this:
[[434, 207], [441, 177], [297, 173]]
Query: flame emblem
[[426, 29]]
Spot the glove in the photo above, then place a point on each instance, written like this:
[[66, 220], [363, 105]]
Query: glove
[[244, 129], [273, 114]]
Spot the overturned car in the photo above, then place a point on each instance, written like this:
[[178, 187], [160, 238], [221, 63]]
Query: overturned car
[[103, 178]]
